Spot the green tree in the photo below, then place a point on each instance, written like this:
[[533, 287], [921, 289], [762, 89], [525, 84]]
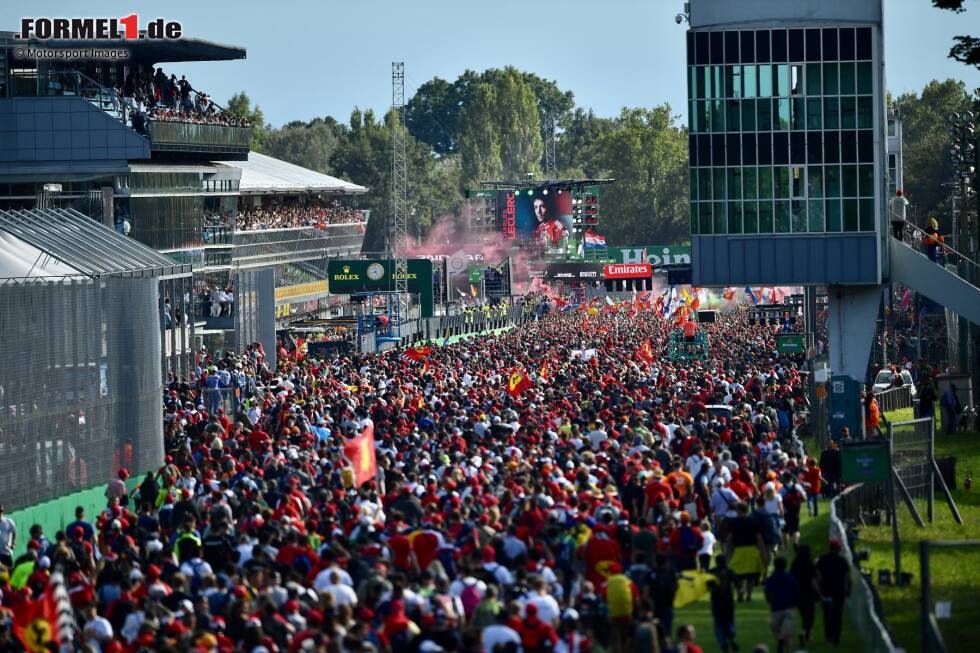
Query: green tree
[[518, 124], [925, 147], [646, 152], [305, 144], [479, 138], [241, 105], [433, 114], [576, 151], [967, 48]]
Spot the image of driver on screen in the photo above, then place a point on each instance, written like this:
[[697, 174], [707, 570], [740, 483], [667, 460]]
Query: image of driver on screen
[[549, 230]]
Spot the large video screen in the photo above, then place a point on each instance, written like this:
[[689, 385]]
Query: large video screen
[[537, 216]]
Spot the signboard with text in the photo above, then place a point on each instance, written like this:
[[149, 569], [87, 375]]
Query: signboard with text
[[352, 276], [865, 460], [657, 256]]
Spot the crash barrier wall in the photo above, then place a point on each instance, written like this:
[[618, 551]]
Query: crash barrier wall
[[82, 389], [863, 606]]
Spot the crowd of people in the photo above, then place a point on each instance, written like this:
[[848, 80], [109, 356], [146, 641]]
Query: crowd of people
[[286, 214], [557, 518], [216, 301], [153, 95]]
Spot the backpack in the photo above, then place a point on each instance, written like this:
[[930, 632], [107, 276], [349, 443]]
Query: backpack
[[470, 597], [196, 578], [793, 500]]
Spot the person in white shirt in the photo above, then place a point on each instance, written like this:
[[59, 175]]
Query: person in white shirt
[[707, 546], [322, 580], [342, 594], [896, 213], [548, 609], [499, 634], [513, 546]]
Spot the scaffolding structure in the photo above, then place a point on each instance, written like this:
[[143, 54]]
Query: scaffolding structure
[[399, 198]]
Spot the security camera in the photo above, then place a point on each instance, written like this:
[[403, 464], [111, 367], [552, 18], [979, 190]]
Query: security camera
[[679, 18]]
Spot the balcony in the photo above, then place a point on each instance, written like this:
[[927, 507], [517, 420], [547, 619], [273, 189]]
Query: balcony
[[183, 138]]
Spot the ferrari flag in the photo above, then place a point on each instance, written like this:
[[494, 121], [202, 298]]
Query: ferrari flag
[[517, 383], [360, 453]]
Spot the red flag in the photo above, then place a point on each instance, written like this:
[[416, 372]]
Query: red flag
[[517, 383], [360, 453], [417, 353], [35, 623], [543, 372], [645, 352], [425, 367], [728, 295], [300, 352]]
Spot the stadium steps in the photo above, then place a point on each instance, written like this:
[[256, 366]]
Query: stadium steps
[[915, 270]]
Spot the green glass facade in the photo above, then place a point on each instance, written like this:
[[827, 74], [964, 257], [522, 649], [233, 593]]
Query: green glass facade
[[782, 125]]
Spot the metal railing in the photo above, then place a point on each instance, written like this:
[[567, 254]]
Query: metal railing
[[949, 257], [862, 605], [188, 136], [894, 398]]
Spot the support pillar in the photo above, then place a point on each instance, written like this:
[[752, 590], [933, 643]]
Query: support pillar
[[851, 327]]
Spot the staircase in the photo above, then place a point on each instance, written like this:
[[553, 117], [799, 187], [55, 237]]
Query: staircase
[[940, 284]]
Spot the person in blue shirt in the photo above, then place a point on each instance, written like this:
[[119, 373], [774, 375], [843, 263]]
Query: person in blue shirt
[[88, 532], [782, 593]]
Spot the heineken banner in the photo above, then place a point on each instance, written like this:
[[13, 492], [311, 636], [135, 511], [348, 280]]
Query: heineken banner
[[351, 276], [656, 255]]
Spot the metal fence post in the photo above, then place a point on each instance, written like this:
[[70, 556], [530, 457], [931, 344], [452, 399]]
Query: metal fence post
[[924, 598], [896, 543]]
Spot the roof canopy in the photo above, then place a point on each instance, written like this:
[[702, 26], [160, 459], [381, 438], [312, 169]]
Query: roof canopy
[[45, 243], [265, 175]]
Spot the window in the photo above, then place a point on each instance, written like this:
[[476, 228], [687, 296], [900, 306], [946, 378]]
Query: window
[[799, 113], [763, 110], [831, 113], [830, 79], [864, 84], [848, 113], [765, 183], [815, 216], [750, 218], [734, 217], [799, 216], [866, 180], [833, 214], [781, 178], [734, 183], [765, 218], [850, 215], [847, 79], [719, 179], [720, 219], [734, 119], [762, 46], [750, 81], [798, 181], [796, 79], [782, 217], [866, 215], [705, 219], [814, 113], [749, 115], [750, 183], [865, 115], [704, 183], [783, 112], [694, 186], [765, 81], [815, 182], [733, 80], [813, 79], [832, 181], [849, 181], [781, 80]]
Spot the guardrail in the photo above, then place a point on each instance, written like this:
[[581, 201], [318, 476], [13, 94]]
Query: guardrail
[[894, 398], [862, 605]]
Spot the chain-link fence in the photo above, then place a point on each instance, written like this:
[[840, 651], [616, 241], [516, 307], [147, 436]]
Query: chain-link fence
[[80, 385], [848, 509], [949, 610]]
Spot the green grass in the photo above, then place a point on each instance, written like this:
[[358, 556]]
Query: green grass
[[752, 619], [900, 415], [955, 573]]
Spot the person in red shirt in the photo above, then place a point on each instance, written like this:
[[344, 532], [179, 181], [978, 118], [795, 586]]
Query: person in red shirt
[[536, 636], [599, 552], [685, 542], [812, 476], [685, 640], [657, 490]]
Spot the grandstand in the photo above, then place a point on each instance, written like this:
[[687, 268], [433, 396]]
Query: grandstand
[[157, 159]]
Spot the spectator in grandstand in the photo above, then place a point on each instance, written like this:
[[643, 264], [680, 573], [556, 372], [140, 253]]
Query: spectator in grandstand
[[312, 212], [933, 241], [896, 212]]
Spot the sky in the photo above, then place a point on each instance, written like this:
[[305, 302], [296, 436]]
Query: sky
[[309, 59]]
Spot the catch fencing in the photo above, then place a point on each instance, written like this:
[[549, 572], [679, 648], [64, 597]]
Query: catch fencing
[[894, 398], [81, 390]]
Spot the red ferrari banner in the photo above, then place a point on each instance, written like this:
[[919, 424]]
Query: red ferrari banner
[[360, 453], [517, 383]]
